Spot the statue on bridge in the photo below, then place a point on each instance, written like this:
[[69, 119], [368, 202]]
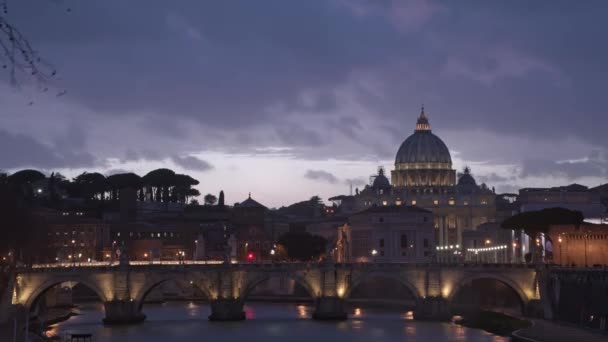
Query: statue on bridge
[[338, 250], [230, 249], [123, 256]]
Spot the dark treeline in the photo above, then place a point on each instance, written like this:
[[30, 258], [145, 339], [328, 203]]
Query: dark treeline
[[24, 191], [160, 185]]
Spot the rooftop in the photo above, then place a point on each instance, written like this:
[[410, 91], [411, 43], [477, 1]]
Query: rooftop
[[394, 209]]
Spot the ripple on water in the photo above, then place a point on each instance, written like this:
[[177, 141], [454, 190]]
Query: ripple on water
[[182, 321]]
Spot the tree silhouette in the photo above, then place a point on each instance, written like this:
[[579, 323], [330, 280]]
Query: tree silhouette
[[160, 180], [210, 199], [302, 246], [221, 200], [90, 185], [120, 181], [24, 181]]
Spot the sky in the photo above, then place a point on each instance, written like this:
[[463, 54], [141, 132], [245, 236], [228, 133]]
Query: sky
[[287, 99]]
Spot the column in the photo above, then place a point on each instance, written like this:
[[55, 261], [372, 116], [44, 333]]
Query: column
[[227, 309], [329, 308], [123, 312]]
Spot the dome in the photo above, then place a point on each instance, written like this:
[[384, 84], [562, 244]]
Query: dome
[[423, 147], [466, 178], [380, 181]]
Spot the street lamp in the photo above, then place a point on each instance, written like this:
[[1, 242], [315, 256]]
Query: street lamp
[[374, 253], [74, 252], [559, 239]]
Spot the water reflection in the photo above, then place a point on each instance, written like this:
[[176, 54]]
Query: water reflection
[[303, 311], [187, 321], [249, 312]]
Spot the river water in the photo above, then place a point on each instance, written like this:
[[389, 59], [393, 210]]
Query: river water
[[182, 321]]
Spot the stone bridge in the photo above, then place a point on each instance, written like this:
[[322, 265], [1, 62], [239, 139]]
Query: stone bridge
[[123, 288]]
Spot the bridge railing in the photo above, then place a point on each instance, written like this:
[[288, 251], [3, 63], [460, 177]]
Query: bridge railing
[[272, 264]]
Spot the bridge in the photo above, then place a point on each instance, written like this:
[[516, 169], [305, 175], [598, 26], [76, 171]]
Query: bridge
[[123, 288]]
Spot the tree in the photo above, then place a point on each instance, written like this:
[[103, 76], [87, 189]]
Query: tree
[[27, 176], [535, 223], [160, 180], [121, 181], [24, 181], [221, 200], [181, 188], [90, 185], [310, 208], [303, 246], [210, 199], [192, 193]]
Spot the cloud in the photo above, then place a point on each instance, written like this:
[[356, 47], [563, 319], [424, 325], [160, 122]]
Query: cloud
[[490, 65], [492, 178], [295, 135], [322, 81], [192, 163], [19, 151], [320, 175], [356, 182], [596, 164], [405, 15]]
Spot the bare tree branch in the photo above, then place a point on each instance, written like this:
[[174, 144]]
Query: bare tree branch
[[17, 57]]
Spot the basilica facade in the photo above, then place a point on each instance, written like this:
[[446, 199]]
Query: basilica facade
[[423, 176]]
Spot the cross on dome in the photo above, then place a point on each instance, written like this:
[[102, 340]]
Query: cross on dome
[[423, 122]]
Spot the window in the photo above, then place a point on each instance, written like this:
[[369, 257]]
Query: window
[[403, 241], [436, 202], [381, 243], [466, 203], [398, 202], [451, 201], [484, 201], [384, 203], [413, 202], [118, 234], [381, 219], [425, 243], [381, 253]]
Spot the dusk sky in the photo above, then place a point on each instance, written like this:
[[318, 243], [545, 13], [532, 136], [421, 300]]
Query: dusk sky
[[290, 99]]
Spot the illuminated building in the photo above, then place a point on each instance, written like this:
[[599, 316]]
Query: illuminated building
[[423, 176]]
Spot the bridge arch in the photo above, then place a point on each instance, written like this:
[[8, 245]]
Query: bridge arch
[[257, 280], [198, 281], [382, 274], [511, 284], [49, 283]]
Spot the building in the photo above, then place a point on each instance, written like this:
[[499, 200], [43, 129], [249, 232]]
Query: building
[[154, 240], [490, 243], [586, 245], [423, 176], [574, 197], [74, 235], [391, 233], [253, 238]]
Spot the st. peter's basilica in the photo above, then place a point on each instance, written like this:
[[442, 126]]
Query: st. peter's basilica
[[423, 176]]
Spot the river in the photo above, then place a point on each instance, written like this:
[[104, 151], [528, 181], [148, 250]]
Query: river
[[182, 321]]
